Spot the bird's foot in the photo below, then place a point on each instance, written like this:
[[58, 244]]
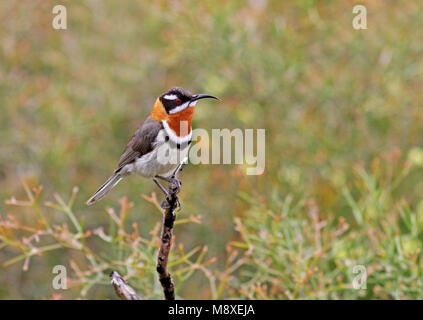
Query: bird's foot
[[174, 188], [165, 203], [174, 185]]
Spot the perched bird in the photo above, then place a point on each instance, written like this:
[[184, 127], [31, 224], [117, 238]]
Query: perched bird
[[160, 142]]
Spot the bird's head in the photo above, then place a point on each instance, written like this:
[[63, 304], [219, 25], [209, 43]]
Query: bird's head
[[178, 99], [176, 103]]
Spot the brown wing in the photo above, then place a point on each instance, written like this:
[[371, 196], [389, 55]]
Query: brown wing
[[141, 142]]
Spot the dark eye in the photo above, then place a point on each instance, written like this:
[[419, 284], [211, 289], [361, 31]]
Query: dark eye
[[178, 101]]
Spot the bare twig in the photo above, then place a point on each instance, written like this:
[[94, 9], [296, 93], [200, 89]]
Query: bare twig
[[166, 237], [122, 289]]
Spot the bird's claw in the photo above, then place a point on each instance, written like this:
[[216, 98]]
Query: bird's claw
[[165, 203], [178, 203], [174, 185]]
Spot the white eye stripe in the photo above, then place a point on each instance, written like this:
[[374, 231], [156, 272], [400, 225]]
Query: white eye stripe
[[179, 108], [171, 97]]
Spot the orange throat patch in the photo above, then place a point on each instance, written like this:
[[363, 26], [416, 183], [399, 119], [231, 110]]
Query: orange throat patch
[[159, 112], [177, 121]]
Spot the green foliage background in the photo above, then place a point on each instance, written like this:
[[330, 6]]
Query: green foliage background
[[342, 111]]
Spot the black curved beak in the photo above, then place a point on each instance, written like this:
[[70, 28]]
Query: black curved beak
[[196, 97]]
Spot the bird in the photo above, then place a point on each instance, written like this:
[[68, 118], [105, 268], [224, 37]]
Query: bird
[[162, 139]]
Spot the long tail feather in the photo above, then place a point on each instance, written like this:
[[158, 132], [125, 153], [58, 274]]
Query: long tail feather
[[105, 188]]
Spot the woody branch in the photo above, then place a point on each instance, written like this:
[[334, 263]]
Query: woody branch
[[122, 289], [166, 237]]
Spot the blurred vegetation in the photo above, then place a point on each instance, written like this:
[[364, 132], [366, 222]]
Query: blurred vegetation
[[342, 113]]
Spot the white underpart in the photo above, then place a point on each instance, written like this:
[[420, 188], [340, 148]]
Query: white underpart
[[154, 163]]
